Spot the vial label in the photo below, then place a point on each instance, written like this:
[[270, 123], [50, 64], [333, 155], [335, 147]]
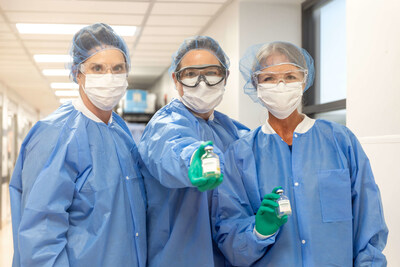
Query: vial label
[[211, 165], [284, 206]]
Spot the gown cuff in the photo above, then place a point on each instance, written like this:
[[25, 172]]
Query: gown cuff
[[260, 236]]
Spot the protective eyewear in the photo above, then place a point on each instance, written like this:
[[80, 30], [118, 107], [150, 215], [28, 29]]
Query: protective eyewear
[[269, 77], [191, 76], [100, 68]]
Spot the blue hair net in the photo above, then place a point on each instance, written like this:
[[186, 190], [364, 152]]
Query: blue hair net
[[255, 60], [195, 43], [91, 40]]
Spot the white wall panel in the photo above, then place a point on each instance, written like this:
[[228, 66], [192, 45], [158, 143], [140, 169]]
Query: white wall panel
[[373, 95], [383, 152]]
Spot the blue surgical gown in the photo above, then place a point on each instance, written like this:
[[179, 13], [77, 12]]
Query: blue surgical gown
[[77, 196], [337, 217], [178, 215]]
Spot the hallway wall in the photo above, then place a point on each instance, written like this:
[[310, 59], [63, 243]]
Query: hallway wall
[[373, 96]]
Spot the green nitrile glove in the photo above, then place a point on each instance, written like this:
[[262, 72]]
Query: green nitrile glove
[[267, 222], [195, 172], [212, 182]]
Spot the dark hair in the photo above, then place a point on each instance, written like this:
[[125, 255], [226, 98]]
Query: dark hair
[[199, 43]]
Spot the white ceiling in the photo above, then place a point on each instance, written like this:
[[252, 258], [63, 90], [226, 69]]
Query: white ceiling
[[162, 26]]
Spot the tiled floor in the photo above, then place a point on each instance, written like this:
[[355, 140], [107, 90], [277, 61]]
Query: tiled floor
[[6, 245]]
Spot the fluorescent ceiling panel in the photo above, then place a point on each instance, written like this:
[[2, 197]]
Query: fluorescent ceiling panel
[[68, 93], [63, 100], [107, 7], [77, 18], [64, 86], [55, 72], [52, 58], [69, 29]]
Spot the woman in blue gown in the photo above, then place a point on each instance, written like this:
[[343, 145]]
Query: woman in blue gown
[[337, 217], [178, 215], [77, 196]]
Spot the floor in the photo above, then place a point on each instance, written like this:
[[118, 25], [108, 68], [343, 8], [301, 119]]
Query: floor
[[6, 245]]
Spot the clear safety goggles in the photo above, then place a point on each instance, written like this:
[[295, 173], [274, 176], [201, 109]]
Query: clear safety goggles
[[100, 68], [191, 76], [270, 77]]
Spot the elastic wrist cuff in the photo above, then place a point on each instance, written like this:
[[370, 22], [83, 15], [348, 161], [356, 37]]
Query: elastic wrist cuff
[[260, 236]]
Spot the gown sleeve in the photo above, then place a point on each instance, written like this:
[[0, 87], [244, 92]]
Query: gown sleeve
[[370, 230], [44, 220], [167, 146], [234, 215]]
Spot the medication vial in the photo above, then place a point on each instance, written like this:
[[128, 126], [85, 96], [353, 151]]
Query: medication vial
[[210, 163], [284, 205]]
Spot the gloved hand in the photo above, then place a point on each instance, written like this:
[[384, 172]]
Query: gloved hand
[[267, 222], [195, 172]]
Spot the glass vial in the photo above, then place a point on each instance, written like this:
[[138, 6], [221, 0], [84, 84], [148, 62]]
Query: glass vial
[[210, 163], [284, 205]]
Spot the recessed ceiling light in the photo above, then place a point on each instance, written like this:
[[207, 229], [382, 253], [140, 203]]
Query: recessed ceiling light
[[63, 100], [125, 30], [53, 58], [64, 85], [67, 93], [55, 72], [69, 29]]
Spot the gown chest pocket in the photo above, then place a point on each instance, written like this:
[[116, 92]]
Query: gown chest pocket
[[335, 195]]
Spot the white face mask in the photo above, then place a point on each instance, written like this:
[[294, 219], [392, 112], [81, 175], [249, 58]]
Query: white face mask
[[202, 98], [105, 90], [282, 99]]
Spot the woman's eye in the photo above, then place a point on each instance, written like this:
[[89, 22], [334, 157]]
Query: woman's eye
[[97, 68], [189, 74], [118, 68]]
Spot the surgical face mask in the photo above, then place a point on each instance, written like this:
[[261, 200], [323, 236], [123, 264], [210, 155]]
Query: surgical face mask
[[202, 98], [280, 99], [105, 90]]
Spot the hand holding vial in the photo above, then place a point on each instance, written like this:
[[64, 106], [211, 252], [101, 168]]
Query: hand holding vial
[[273, 212], [204, 170]]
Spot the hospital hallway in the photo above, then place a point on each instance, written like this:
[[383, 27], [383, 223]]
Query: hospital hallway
[[59, 83], [6, 245]]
